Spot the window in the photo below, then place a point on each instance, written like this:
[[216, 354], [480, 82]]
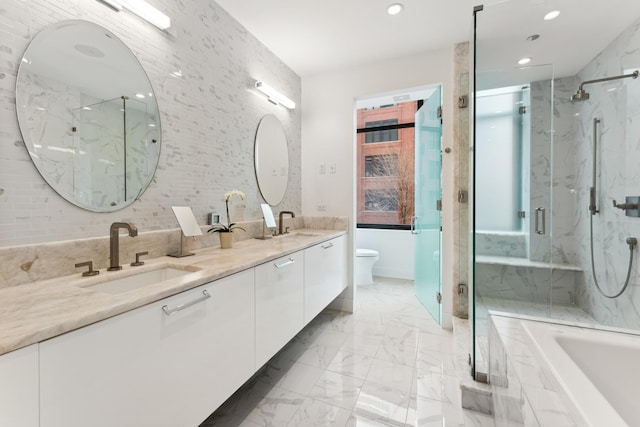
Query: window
[[381, 135], [386, 157], [502, 144], [381, 200], [381, 165]]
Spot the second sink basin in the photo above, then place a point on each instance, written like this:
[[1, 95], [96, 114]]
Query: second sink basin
[[140, 279]]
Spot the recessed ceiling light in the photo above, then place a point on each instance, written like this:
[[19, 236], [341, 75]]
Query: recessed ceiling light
[[139, 95], [551, 15], [524, 61], [395, 8]]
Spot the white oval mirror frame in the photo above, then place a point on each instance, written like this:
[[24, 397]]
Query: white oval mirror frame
[[271, 158], [88, 115]]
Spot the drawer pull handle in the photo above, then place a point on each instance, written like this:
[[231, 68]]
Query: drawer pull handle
[[169, 311], [286, 263], [330, 245]]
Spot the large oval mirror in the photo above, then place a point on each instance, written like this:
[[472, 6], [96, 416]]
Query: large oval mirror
[[88, 115], [271, 159]]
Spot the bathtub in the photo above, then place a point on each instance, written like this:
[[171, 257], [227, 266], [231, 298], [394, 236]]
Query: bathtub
[[598, 369]]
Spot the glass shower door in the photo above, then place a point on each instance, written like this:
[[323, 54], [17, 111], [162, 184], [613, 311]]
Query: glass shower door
[[428, 199]]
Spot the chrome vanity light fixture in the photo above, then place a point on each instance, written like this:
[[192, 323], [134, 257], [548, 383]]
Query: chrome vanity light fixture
[[143, 9], [274, 96]]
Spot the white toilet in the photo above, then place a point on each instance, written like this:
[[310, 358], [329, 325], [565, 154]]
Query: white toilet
[[365, 258]]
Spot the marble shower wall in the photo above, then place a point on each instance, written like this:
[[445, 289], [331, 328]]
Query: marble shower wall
[[209, 114], [617, 105]]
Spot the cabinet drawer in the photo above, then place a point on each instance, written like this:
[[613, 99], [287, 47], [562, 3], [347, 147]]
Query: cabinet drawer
[[279, 299], [325, 275]]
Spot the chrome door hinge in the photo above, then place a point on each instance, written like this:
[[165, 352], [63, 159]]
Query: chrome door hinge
[[522, 110], [462, 196], [439, 205], [440, 111], [439, 298], [463, 101]]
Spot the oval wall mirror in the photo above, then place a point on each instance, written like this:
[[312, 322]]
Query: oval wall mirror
[[88, 115], [271, 159]]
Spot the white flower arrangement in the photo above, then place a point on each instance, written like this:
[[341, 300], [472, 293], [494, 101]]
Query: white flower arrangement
[[230, 226]]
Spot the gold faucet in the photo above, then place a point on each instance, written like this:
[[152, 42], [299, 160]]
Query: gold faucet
[[114, 243], [280, 222]]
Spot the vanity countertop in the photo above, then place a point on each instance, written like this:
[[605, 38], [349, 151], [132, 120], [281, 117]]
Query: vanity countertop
[[37, 311]]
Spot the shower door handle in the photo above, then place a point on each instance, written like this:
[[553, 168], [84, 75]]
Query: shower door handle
[[540, 224], [413, 225]]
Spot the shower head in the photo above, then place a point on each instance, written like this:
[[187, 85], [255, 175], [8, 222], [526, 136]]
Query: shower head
[[581, 95]]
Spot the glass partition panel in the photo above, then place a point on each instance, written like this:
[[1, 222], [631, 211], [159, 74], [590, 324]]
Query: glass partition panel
[[548, 239]]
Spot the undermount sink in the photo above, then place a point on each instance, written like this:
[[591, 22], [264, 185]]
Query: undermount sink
[[141, 279], [300, 235]]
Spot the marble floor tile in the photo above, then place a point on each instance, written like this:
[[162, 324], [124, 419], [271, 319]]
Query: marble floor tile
[[319, 355], [361, 344], [399, 350], [391, 374], [424, 412], [315, 413], [351, 364], [358, 420], [384, 403], [337, 389], [277, 408], [387, 364], [297, 377]]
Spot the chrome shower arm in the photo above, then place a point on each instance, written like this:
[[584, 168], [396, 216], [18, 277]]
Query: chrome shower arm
[[633, 75]]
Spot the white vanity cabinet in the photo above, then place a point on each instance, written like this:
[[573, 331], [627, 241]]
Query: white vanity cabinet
[[148, 368], [279, 304], [325, 275], [19, 388]]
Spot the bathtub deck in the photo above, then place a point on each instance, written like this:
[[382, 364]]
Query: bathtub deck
[[484, 304]]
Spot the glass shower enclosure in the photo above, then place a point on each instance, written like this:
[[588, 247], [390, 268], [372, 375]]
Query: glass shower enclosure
[[533, 165]]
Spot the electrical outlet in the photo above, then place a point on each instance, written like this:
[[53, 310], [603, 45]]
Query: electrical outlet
[[332, 168], [323, 169], [322, 208]]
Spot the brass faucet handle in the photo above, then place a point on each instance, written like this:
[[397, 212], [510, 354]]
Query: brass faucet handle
[[138, 255], [91, 271]]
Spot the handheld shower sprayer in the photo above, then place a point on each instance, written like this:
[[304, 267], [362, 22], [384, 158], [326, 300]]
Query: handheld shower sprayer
[[583, 95]]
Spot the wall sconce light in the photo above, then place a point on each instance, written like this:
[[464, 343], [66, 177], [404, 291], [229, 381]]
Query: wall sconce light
[[143, 9], [274, 96]]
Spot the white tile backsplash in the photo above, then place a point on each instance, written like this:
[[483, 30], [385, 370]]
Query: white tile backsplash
[[209, 117]]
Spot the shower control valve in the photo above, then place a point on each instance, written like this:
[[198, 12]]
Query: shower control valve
[[630, 206]]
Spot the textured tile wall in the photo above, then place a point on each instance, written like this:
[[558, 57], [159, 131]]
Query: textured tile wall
[[617, 105], [209, 118]]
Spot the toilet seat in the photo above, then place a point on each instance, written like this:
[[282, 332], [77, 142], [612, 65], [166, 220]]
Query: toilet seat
[[366, 253]]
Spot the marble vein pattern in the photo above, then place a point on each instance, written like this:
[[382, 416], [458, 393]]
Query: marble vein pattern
[[525, 390], [363, 385], [202, 71], [616, 105]]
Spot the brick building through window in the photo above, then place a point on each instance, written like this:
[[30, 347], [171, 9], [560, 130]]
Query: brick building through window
[[386, 161]]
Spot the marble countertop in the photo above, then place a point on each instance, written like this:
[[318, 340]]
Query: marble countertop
[[37, 311]]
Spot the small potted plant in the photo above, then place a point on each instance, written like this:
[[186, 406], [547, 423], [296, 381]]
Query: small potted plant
[[225, 231]]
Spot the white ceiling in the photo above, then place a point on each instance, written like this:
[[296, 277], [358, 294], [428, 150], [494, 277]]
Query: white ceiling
[[313, 36]]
